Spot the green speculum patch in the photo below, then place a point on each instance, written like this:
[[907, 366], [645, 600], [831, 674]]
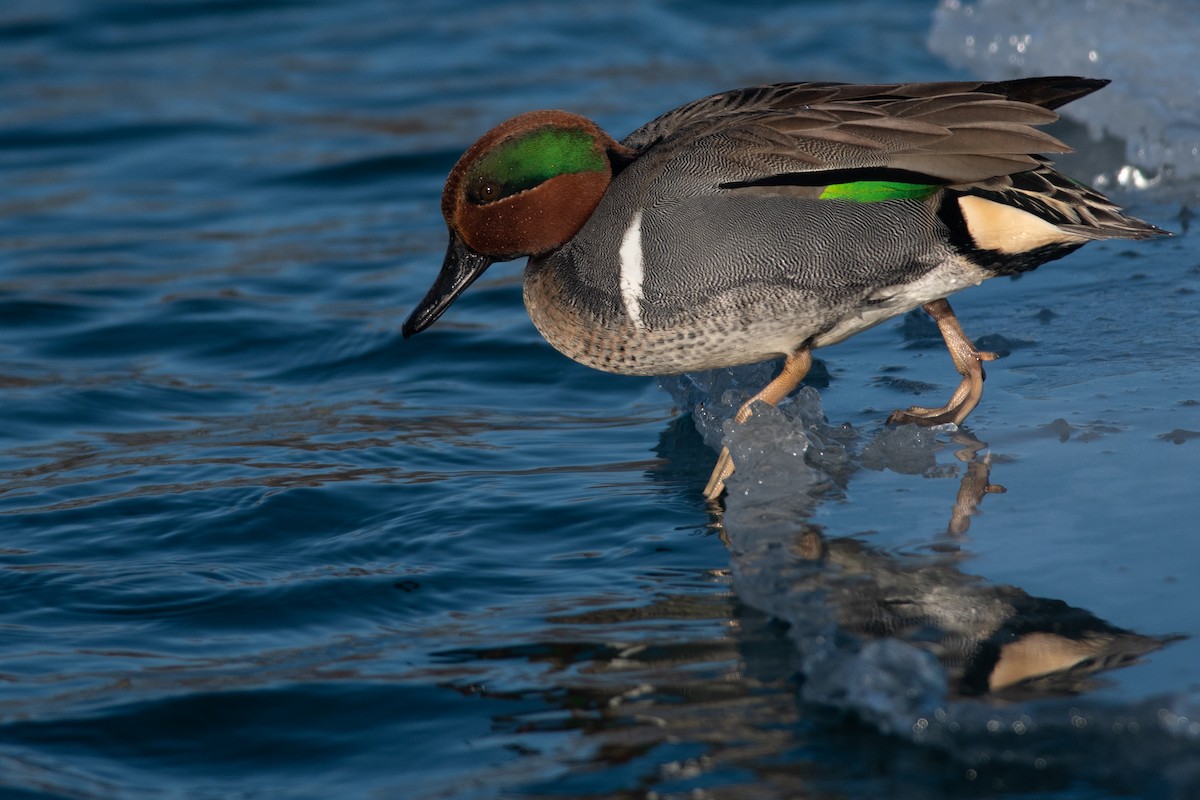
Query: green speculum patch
[[877, 191], [524, 162]]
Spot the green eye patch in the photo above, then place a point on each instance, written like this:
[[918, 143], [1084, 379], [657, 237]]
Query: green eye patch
[[526, 161]]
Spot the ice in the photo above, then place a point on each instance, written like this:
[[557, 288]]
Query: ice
[[887, 682], [911, 644], [714, 396], [1148, 48], [907, 449], [788, 458], [780, 450]]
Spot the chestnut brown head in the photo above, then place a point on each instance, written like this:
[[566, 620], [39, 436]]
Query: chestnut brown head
[[524, 189]]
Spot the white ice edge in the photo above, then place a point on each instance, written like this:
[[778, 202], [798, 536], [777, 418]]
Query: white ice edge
[[1147, 48]]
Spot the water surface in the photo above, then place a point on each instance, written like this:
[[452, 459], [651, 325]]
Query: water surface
[[256, 545]]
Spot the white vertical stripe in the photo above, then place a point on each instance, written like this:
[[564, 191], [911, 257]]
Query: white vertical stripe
[[631, 270]]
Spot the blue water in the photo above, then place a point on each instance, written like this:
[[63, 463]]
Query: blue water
[[256, 545]]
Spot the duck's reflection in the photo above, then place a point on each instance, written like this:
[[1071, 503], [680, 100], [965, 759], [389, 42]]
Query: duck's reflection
[[990, 638], [699, 690]]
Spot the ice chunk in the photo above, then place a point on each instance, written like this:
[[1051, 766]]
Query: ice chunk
[[1147, 47], [714, 396], [908, 449], [887, 682], [786, 455]]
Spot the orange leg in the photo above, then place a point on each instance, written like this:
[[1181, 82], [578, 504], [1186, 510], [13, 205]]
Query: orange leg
[[969, 363], [794, 369]]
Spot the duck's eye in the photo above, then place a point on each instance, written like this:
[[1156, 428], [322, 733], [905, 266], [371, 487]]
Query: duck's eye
[[484, 191]]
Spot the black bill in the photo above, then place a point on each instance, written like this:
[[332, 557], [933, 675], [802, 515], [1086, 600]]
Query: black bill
[[460, 269]]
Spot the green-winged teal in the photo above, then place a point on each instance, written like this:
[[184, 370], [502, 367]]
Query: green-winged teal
[[769, 221]]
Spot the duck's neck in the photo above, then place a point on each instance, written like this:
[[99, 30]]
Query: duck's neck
[[572, 279]]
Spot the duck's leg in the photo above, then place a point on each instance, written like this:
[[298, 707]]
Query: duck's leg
[[969, 363], [795, 367]]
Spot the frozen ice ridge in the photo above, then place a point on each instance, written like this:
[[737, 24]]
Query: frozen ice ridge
[[783, 455], [1148, 48]]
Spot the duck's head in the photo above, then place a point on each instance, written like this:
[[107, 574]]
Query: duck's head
[[524, 189]]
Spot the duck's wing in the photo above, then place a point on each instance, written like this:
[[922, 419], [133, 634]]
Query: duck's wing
[[934, 133]]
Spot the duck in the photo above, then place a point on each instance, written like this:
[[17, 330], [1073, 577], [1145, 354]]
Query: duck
[[769, 221]]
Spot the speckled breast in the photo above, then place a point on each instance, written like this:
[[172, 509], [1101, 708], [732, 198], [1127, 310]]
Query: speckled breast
[[592, 327]]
